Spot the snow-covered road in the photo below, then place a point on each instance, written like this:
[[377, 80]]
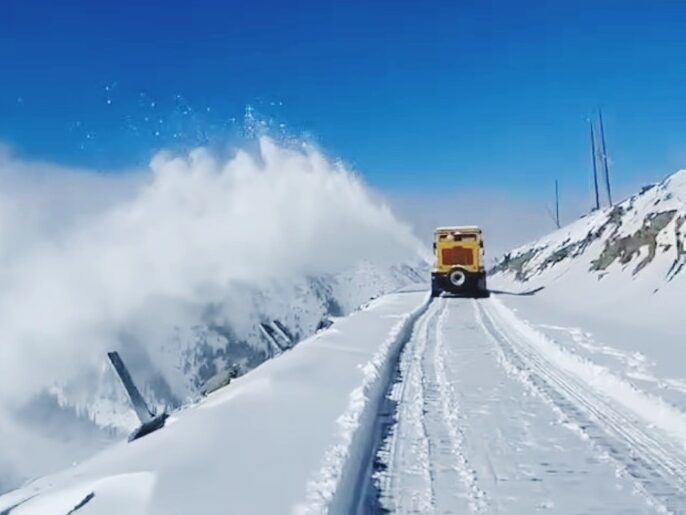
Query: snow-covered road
[[405, 406], [492, 416]]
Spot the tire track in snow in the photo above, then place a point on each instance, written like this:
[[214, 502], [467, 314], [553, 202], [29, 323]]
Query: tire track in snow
[[407, 447], [449, 410], [427, 469], [656, 462]]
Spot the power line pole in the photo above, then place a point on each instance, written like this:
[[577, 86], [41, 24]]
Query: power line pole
[[604, 150], [557, 204], [595, 167]]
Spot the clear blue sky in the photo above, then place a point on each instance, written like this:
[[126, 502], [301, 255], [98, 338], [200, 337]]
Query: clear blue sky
[[416, 94]]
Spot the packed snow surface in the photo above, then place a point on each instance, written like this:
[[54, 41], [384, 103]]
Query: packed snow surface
[[494, 417]]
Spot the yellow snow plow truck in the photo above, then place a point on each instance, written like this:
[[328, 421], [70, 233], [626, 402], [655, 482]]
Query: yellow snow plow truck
[[459, 266]]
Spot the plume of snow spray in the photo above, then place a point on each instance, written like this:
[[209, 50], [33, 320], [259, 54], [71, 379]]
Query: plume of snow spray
[[166, 243]]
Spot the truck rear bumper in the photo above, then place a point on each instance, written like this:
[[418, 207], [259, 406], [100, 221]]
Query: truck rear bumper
[[474, 285]]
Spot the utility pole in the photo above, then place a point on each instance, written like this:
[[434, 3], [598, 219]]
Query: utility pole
[[604, 150], [595, 166], [557, 204]]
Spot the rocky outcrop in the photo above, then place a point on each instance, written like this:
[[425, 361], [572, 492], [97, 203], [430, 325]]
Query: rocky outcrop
[[626, 248], [630, 235]]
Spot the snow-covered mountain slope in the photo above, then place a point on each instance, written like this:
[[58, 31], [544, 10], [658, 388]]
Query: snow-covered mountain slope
[[288, 437], [626, 262], [185, 269]]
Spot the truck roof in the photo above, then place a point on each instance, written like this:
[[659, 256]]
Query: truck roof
[[458, 228]]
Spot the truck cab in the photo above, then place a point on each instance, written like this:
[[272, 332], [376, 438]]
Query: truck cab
[[459, 262]]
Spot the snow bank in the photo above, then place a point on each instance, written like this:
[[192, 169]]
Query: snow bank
[[125, 493], [277, 440], [332, 488], [653, 410]]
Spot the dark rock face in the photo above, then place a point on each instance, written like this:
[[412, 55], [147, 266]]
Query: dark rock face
[[680, 259], [571, 250], [516, 264], [624, 249]]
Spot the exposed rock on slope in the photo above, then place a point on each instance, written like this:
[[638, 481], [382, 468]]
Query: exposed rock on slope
[[646, 231]]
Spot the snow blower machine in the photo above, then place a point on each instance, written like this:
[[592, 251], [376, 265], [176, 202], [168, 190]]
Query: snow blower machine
[[459, 266]]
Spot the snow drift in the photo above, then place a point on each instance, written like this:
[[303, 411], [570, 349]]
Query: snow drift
[[176, 267]]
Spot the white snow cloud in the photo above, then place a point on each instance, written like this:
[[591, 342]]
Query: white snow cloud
[[83, 255]]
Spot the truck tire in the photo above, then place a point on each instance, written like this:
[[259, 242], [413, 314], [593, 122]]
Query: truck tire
[[457, 278]]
